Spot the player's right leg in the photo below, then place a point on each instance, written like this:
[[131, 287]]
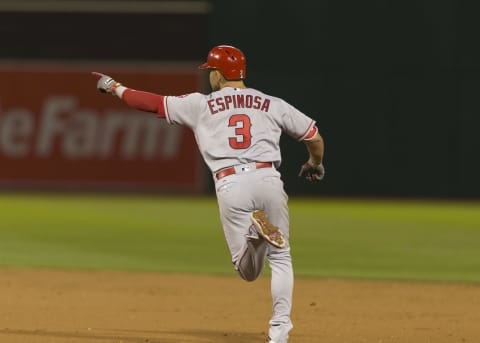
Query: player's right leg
[[282, 279], [282, 291]]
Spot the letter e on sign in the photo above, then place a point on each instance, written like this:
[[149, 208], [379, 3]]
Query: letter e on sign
[[16, 127]]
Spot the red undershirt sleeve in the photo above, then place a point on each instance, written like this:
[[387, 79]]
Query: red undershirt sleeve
[[144, 101], [312, 133]]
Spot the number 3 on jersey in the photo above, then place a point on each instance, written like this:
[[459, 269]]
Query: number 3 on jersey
[[243, 137]]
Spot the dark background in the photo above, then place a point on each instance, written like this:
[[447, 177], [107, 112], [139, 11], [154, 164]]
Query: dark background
[[393, 85]]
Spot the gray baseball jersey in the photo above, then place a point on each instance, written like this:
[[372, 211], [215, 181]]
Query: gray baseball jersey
[[237, 125]]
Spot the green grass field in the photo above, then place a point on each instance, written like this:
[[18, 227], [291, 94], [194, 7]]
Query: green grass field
[[411, 240]]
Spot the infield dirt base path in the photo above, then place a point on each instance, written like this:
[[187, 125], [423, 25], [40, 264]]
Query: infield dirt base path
[[102, 307]]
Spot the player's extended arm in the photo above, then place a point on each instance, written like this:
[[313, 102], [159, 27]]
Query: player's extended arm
[[144, 101], [313, 169]]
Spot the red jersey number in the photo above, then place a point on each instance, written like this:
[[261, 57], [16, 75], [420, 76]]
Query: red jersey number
[[243, 137]]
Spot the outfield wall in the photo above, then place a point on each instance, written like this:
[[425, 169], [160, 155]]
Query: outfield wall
[[393, 85], [66, 135], [57, 132]]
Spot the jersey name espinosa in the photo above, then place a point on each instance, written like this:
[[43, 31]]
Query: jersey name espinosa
[[238, 101]]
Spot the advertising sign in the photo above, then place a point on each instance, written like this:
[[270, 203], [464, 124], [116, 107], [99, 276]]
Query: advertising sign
[[58, 131]]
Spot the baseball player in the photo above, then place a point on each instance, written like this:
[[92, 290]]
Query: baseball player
[[237, 130]]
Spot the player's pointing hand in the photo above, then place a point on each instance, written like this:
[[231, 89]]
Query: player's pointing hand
[[105, 83]]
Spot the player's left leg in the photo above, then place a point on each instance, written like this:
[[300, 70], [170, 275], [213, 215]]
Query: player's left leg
[[252, 259], [247, 249]]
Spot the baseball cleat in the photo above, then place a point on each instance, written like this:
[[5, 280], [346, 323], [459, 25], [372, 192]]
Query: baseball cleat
[[267, 230]]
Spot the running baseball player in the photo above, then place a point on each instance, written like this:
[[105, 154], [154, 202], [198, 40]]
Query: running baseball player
[[237, 130]]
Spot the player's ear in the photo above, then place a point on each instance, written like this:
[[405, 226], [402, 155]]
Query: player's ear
[[216, 73], [221, 79]]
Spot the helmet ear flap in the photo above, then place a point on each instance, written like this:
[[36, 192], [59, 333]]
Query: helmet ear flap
[[229, 60]]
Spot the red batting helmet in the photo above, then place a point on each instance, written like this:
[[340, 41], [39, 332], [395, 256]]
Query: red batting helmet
[[228, 60]]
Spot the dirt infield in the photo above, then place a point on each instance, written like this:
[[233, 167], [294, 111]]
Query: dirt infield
[[102, 307]]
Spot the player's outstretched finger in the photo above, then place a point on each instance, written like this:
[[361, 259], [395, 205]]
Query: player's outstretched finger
[[97, 75]]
